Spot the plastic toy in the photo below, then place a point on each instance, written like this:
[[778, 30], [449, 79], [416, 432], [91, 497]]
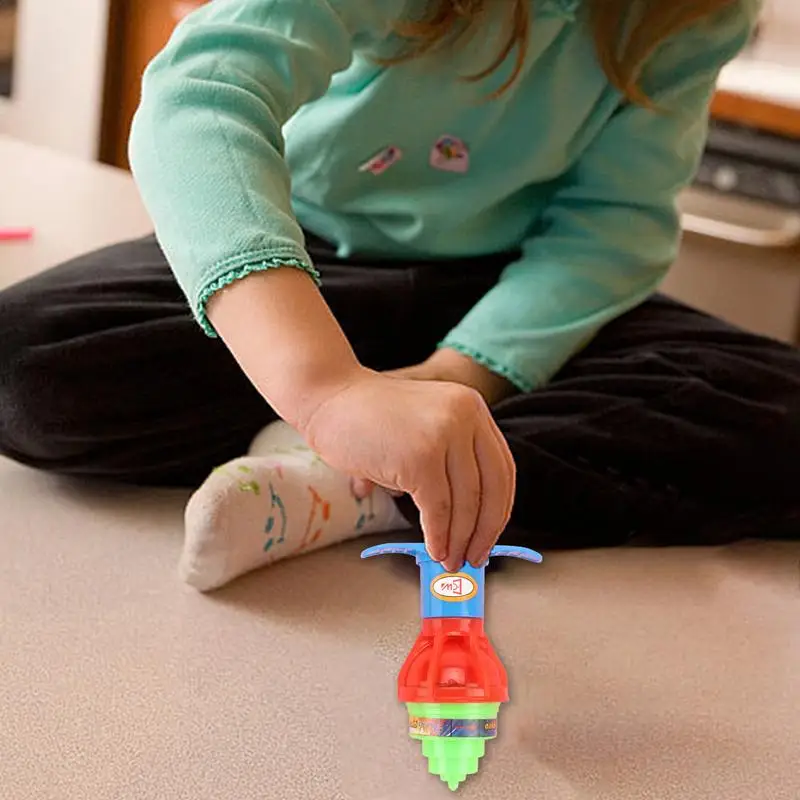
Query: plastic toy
[[452, 682]]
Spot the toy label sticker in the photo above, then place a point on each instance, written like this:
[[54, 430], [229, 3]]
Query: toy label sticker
[[454, 588], [453, 728]]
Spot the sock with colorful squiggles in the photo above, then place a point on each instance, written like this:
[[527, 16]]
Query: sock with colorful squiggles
[[278, 501]]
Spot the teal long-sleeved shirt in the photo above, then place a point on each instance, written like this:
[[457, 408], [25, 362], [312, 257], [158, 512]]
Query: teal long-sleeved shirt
[[264, 117]]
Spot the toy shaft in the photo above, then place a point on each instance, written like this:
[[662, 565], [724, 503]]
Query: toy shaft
[[452, 595], [445, 594]]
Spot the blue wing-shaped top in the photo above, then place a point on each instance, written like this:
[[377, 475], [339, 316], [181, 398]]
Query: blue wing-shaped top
[[525, 553], [418, 551], [413, 549]]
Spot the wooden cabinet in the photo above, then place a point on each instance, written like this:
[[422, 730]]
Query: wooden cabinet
[[757, 113], [138, 30]]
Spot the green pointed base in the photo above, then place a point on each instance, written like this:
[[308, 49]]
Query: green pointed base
[[454, 760], [455, 756]]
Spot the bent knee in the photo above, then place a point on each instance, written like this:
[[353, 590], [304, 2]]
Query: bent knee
[[27, 420]]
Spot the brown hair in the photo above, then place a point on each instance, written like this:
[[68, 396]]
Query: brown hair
[[621, 60]]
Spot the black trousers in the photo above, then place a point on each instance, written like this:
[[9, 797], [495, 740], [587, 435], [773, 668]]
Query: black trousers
[[672, 427]]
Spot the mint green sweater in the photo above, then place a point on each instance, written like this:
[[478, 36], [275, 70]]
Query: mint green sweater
[[262, 116]]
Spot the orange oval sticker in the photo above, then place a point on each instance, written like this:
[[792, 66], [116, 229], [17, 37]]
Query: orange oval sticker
[[454, 587]]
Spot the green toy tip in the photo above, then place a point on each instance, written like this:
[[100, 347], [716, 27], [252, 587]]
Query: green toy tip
[[453, 758]]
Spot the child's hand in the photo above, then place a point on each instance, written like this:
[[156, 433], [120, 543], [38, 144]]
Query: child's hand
[[434, 441]]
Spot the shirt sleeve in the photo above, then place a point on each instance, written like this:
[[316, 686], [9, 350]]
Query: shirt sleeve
[[612, 229], [206, 146]]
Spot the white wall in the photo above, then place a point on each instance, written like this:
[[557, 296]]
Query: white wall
[[784, 11], [59, 69]]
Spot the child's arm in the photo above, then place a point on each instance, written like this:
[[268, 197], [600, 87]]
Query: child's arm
[[286, 340], [207, 153], [612, 230], [434, 441], [206, 146]]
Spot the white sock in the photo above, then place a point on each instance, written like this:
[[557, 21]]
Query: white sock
[[278, 501]]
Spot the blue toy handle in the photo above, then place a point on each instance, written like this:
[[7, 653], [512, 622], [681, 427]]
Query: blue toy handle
[[417, 550], [509, 551], [450, 594], [420, 553]]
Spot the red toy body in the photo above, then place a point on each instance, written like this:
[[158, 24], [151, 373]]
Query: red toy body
[[453, 661]]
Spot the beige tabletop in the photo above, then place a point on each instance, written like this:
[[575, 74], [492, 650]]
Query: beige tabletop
[[636, 675], [72, 206]]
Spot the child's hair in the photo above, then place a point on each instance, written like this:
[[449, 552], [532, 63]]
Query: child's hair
[[622, 59]]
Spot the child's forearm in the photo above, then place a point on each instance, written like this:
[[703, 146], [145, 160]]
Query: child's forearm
[[286, 340]]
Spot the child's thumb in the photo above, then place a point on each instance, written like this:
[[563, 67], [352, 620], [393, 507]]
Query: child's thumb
[[361, 488]]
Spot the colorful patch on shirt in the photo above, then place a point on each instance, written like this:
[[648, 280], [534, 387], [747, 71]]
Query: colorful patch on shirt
[[450, 154], [378, 164]]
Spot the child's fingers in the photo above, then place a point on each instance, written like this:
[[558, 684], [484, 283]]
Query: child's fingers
[[497, 480], [435, 503], [465, 482], [512, 468]]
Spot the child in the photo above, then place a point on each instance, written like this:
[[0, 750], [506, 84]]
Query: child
[[488, 190]]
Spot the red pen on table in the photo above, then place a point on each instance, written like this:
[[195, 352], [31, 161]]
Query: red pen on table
[[15, 234]]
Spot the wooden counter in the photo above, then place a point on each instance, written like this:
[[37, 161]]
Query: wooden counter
[[138, 30], [760, 113]]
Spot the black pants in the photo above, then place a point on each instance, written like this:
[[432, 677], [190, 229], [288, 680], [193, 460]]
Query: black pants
[[672, 427]]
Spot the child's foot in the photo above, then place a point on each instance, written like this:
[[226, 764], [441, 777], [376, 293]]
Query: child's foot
[[282, 502]]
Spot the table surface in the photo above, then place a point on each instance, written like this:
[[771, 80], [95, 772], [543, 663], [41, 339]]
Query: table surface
[[74, 206], [669, 674]]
